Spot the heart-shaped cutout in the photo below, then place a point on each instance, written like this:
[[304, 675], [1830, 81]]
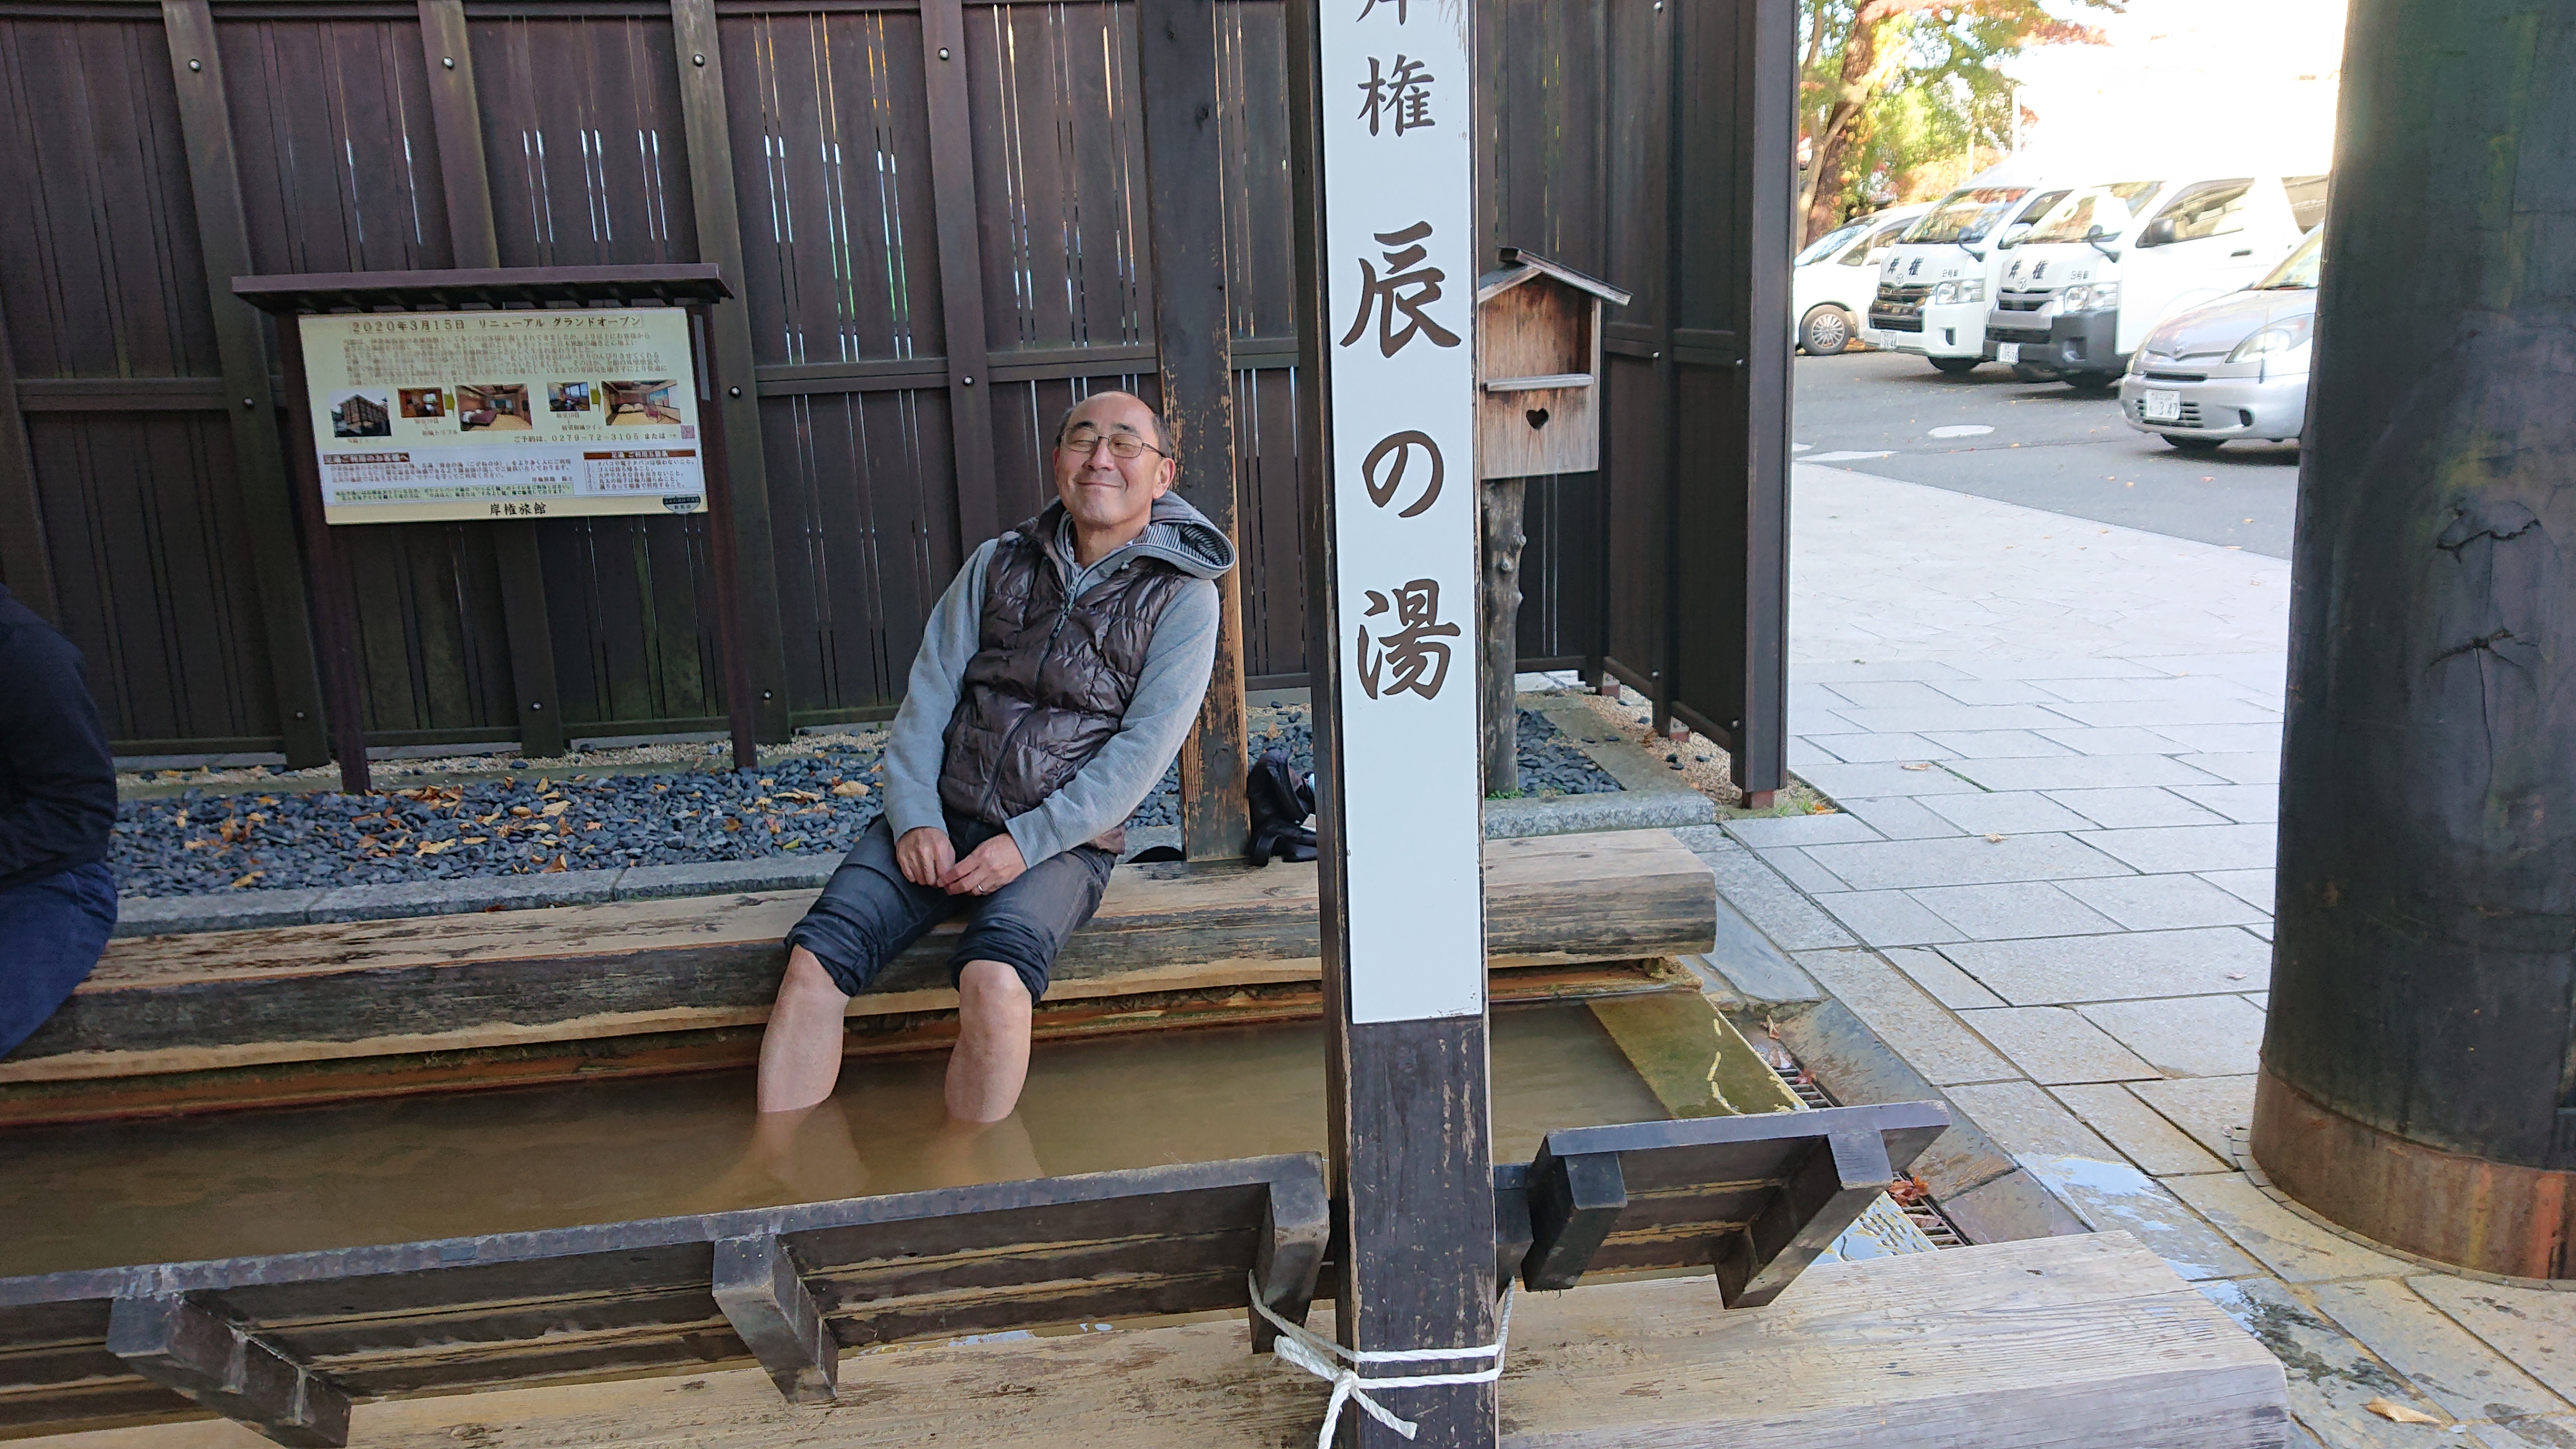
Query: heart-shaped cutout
[[1537, 417]]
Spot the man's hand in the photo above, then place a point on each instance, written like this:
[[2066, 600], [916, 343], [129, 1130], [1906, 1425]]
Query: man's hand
[[986, 869], [925, 855]]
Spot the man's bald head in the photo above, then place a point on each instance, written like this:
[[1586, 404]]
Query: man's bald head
[[1125, 407]]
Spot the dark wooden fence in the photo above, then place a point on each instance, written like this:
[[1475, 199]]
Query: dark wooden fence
[[934, 214]]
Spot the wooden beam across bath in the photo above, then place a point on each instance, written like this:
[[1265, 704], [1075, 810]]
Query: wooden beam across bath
[[308, 994]]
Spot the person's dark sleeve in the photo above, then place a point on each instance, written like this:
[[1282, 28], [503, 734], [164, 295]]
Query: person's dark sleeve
[[56, 747]]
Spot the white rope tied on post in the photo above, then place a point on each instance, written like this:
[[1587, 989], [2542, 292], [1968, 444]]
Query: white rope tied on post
[[1315, 1354]]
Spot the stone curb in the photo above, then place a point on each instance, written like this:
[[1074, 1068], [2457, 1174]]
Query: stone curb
[[1575, 814]]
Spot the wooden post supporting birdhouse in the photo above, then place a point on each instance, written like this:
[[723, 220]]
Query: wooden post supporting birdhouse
[[1538, 373]]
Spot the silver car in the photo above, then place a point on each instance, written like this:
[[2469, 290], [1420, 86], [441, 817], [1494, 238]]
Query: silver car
[[2233, 368]]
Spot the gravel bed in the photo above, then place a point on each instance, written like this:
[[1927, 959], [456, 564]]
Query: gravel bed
[[817, 803]]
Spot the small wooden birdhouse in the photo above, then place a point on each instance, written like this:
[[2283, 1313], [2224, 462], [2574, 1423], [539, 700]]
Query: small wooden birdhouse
[[1538, 367]]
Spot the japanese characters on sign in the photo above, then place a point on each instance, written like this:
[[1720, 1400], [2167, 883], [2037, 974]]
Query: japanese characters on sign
[[1400, 282], [541, 414]]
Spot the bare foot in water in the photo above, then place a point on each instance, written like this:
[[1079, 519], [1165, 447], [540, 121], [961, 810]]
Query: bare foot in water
[[806, 1155], [962, 1153]]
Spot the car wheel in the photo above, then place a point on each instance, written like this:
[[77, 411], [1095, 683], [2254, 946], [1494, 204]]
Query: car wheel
[[2195, 445], [2095, 382], [1957, 366], [1826, 332]]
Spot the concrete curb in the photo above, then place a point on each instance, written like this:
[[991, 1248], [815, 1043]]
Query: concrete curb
[[1575, 814], [255, 910]]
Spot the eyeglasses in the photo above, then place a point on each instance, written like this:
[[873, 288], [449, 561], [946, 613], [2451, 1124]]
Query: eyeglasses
[[1082, 442]]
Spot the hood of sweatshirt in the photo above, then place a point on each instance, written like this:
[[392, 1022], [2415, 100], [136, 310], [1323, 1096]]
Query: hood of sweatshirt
[[1176, 533]]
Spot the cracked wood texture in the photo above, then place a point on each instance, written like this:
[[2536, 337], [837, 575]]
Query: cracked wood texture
[[566, 973], [2420, 1059]]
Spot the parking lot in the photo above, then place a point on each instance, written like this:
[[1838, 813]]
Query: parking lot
[[2042, 445]]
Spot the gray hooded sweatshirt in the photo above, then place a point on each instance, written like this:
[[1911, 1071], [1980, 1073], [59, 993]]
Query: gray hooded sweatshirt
[[1108, 788]]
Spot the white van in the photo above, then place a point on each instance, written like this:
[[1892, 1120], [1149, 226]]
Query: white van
[[2100, 270], [1831, 282], [1933, 287]]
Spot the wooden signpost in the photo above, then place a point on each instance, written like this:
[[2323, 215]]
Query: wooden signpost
[[1382, 167]]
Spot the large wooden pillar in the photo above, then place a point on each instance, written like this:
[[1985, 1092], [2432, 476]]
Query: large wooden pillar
[[1386, 282], [2419, 1068], [1185, 203]]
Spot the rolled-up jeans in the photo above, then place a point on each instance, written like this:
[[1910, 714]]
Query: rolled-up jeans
[[51, 932], [869, 914]]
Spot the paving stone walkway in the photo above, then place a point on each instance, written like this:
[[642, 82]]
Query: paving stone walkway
[[2049, 887]]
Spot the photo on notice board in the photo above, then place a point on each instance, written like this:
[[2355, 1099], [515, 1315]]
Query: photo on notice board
[[641, 404], [423, 402], [359, 413], [500, 406], [568, 397]]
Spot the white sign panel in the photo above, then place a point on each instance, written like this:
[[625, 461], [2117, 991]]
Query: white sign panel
[[539, 414], [1400, 289]]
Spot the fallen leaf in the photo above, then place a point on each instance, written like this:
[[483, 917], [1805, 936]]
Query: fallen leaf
[[1925, 765], [850, 790], [246, 880], [557, 808], [2235, 975], [558, 865], [436, 847], [2399, 1413], [522, 811], [1993, 839], [474, 840]]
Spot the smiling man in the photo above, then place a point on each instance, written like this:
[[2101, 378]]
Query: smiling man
[[1056, 680]]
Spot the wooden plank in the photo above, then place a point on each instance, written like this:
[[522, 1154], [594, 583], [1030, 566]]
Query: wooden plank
[[183, 1345], [1186, 203], [448, 52], [727, 336], [2028, 1345], [312, 993], [961, 272], [343, 675], [24, 564], [280, 1341], [764, 1297], [259, 460]]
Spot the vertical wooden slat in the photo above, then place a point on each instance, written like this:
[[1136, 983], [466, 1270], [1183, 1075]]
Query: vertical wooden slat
[[1185, 201], [457, 119], [258, 453], [24, 565], [961, 269], [1759, 752], [728, 333], [341, 673]]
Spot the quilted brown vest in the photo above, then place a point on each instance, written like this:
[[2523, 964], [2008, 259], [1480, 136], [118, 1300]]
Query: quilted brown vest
[[1051, 676]]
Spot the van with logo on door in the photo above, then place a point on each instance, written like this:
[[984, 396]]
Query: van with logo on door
[[2095, 275], [1932, 289]]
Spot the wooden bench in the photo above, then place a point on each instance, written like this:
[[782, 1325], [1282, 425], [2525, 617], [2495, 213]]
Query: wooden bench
[[285, 1343], [335, 1002]]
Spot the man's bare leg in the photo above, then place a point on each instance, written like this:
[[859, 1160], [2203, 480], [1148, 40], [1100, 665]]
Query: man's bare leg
[[800, 1053], [991, 1060]]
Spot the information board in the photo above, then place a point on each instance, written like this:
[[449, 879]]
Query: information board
[[531, 414], [1399, 263]]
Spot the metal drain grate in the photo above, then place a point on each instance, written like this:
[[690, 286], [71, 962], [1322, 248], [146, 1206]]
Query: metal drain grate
[[1917, 1205]]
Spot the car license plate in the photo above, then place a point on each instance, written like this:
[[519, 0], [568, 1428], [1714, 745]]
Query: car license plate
[[2008, 353], [2162, 406]]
